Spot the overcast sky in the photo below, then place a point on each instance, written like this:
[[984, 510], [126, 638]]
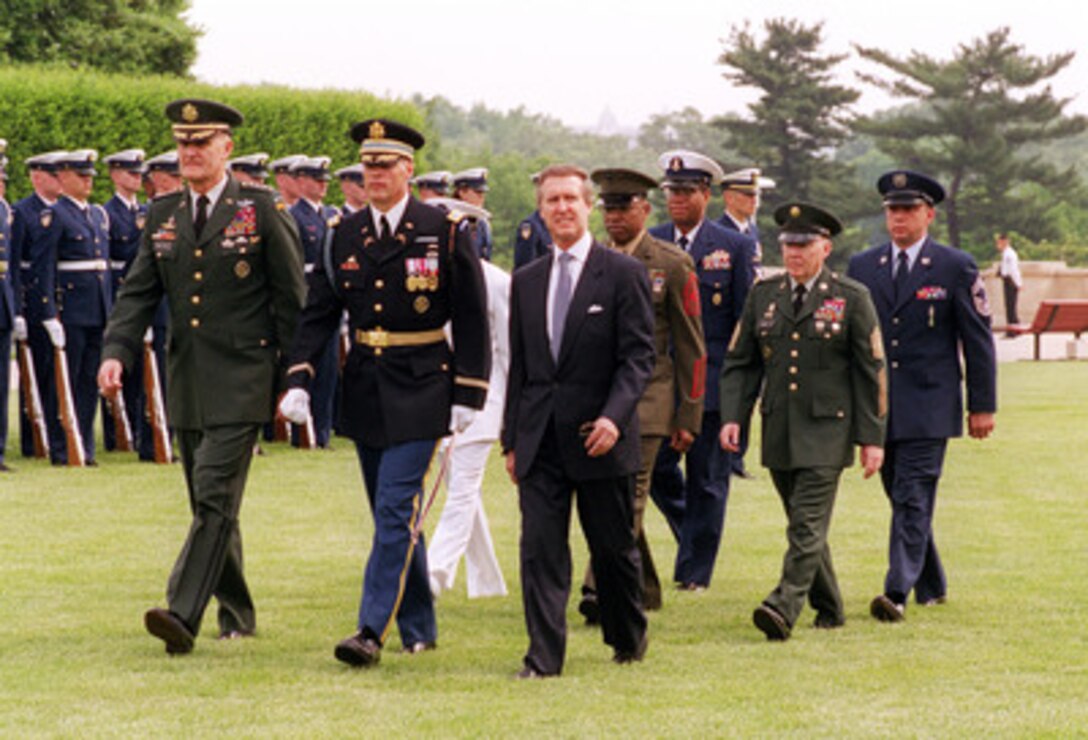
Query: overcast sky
[[572, 59]]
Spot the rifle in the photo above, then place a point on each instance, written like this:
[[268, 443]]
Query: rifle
[[32, 400], [307, 438], [345, 345], [121, 428], [66, 409], [156, 409]]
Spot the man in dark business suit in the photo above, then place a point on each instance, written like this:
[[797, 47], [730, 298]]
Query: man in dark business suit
[[581, 354], [695, 504], [931, 304]]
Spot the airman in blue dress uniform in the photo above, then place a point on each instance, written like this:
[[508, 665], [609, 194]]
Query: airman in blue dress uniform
[[694, 505], [932, 307], [471, 186]]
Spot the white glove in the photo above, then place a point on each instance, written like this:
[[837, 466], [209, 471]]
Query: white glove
[[19, 329], [295, 406], [56, 332], [461, 417], [149, 335]]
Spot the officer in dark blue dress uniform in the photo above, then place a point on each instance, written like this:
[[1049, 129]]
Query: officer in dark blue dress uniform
[[251, 169], [313, 217], [402, 270], [9, 288], [740, 197], [33, 218], [695, 505], [471, 187], [532, 239], [126, 220], [70, 278], [932, 306], [433, 184]]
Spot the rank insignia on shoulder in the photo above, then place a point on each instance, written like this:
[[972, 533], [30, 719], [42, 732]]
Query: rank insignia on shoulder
[[280, 205], [334, 221], [526, 230], [982, 302], [46, 218], [455, 216]]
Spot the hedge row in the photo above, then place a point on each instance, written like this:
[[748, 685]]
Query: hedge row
[[45, 109]]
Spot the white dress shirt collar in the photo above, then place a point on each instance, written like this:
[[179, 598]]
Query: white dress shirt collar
[[393, 215], [212, 195]]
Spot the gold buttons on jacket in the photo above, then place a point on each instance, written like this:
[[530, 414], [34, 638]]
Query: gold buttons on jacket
[[793, 369], [794, 353], [198, 276], [379, 283], [198, 253], [895, 364], [196, 300], [793, 387], [795, 336], [194, 323], [378, 307]]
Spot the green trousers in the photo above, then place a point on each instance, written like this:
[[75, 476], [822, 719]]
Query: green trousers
[[216, 463], [808, 495]]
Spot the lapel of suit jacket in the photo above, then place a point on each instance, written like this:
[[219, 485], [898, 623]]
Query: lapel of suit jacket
[[582, 299], [223, 212], [534, 309], [919, 272]]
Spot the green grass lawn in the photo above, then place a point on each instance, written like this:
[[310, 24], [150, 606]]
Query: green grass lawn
[[84, 552]]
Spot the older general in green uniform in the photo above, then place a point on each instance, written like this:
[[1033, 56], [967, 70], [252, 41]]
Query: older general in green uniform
[[812, 339], [671, 409], [226, 257]]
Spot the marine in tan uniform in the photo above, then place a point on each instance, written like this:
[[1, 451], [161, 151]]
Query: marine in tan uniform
[[672, 407], [811, 339], [227, 259]]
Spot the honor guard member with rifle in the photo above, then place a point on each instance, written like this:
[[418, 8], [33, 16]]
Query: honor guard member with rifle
[[402, 270], [471, 187], [9, 288], [70, 284], [286, 183], [163, 173], [353, 187], [532, 239], [28, 228], [127, 216], [695, 504], [933, 309], [741, 191], [433, 184], [226, 257], [673, 399], [252, 169], [313, 217], [810, 339]]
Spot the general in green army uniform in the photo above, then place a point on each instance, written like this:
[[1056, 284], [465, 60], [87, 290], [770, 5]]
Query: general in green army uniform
[[227, 258], [671, 409], [812, 340]]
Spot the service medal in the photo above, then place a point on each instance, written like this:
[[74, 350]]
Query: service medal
[[242, 269], [421, 304], [716, 299]]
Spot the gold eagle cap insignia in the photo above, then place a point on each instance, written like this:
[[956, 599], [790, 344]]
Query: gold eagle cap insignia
[[899, 180], [376, 131], [676, 164], [189, 113], [795, 212]]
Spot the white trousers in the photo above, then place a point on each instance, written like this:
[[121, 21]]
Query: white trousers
[[462, 529]]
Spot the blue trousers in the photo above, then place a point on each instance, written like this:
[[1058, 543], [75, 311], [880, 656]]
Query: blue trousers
[[5, 369], [395, 584], [910, 474], [83, 348], [41, 349], [694, 504]]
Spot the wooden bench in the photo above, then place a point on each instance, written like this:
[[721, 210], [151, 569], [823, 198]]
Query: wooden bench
[[1056, 316]]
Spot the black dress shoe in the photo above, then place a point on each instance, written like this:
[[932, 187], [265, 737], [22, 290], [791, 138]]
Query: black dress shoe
[[825, 621], [359, 651], [169, 628], [886, 610], [639, 652], [771, 623], [419, 647], [528, 672], [589, 608]]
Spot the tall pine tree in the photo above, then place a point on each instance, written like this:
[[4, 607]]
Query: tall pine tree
[[973, 122]]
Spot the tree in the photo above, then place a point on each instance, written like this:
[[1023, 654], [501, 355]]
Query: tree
[[147, 36], [799, 118], [975, 119]]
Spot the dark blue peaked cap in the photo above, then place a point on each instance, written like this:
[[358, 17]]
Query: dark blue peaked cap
[[906, 188]]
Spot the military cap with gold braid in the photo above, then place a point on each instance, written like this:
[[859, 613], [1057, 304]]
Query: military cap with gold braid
[[197, 120], [618, 186], [382, 141], [906, 188], [802, 222]]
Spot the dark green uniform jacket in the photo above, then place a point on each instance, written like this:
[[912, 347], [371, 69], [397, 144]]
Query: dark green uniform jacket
[[234, 297], [824, 368]]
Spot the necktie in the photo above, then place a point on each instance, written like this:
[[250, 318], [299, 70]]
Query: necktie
[[201, 217], [798, 298], [682, 242], [902, 270], [386, 231], [561, 303]]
